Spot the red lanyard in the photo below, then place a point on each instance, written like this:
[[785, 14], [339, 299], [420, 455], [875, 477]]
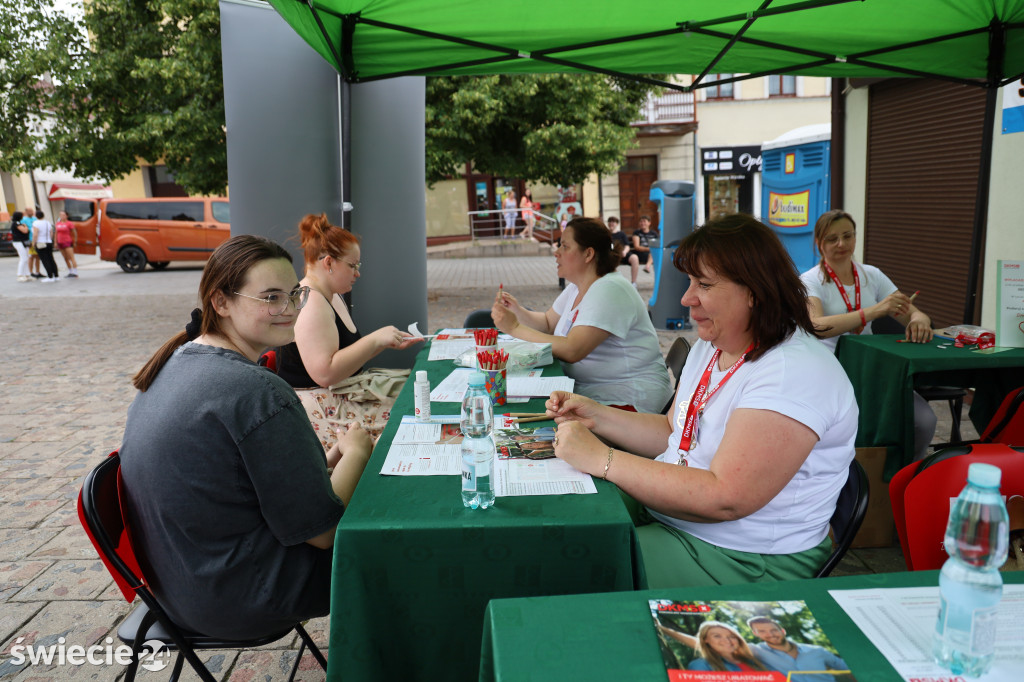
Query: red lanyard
[[700, 399], [842, 290]]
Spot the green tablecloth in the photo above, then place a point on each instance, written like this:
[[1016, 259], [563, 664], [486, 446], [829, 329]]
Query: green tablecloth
[[884, 373], [610, 637], [414, 569]]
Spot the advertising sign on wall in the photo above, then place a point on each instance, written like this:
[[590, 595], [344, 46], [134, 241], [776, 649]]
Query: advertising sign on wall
[[1010, 304], [788, 210], [1013, 107]]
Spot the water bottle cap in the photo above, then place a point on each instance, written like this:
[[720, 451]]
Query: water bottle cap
[[984, 475], [421, 375], [477, 379]]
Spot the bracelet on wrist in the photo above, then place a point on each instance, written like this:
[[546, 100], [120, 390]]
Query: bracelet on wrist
[[607, 464], [863, 318]]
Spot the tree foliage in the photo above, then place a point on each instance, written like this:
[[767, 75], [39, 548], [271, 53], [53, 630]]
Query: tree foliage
[[551, 128], [147, 86]]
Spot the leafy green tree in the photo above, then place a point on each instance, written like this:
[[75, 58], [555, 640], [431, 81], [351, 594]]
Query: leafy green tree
[[147, 86], [551, 128], [32, 38]]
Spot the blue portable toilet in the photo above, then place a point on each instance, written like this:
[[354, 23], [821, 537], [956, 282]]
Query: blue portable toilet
[[795, 188]]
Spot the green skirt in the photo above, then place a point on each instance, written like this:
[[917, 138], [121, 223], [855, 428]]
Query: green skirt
[[674, 558]]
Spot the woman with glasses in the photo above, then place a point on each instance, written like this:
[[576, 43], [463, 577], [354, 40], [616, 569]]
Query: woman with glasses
[[325, 363], [232, 501], [844, 297]]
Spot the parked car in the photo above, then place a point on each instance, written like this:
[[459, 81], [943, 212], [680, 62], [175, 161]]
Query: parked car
[[155, 231], [6, 245]]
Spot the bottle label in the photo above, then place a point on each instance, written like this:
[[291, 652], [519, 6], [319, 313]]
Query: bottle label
[[469, 478], [973, 632]]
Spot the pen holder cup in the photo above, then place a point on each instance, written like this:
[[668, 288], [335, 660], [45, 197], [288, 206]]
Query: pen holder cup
[[496, 385], [484, 349]]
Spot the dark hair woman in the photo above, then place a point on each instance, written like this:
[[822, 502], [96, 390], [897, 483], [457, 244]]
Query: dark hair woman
[[19, 238], [325, 362], [740, 478], [598, 327], [230, 495]]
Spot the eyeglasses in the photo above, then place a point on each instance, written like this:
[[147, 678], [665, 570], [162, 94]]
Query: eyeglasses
[[354, 266], [277, 302], [833, 239]]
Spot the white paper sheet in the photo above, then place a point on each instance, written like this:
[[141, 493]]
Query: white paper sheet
[[420, 450], [449, 344], [528, 384], [900, 623]]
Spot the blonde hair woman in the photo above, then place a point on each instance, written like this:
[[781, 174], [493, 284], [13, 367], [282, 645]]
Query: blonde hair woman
[[325, 363]]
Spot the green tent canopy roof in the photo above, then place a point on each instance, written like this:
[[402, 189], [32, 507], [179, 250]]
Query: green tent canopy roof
[[977, 41]]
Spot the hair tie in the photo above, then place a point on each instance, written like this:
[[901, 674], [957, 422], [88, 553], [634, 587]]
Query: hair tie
[[193, 328]]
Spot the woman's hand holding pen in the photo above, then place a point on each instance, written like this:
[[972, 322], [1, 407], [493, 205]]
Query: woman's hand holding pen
[[504, 312]]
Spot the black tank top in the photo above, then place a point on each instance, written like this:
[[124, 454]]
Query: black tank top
[[289, 363]]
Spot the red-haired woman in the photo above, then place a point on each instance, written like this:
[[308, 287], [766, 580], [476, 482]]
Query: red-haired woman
[[325, 362]]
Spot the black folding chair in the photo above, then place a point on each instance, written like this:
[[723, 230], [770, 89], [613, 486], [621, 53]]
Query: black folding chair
[[479, 319], [101, 513], [851, 507]]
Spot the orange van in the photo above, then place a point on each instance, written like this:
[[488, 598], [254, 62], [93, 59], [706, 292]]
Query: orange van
[[134, 232]]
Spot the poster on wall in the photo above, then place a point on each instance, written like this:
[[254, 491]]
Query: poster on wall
[[1013, 107], [1010, 304]]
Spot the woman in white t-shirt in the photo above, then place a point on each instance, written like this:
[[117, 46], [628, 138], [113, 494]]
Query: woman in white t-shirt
[[844, 297], [739, 480], [598, 327]]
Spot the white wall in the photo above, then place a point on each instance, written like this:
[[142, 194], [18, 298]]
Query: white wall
[[1005, 236], [855, 171]]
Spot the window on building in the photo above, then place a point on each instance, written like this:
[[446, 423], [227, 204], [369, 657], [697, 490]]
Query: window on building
[[723, 91], [781, 86]]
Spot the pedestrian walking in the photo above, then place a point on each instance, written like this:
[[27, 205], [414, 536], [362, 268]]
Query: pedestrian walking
[[67, 239], [43, 239], [19, 239]]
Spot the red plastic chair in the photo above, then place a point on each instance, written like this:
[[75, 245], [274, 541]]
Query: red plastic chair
[[921, 494], [1007, 424], [269, 360], [101, 512]]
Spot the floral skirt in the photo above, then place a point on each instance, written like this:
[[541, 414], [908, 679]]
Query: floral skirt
[[365, 398]]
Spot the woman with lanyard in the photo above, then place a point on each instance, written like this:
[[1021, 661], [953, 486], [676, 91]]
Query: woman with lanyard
[[844, 296], [738, 481]]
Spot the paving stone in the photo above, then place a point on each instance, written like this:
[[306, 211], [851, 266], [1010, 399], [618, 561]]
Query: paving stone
[[69, 543], [28, 513], [18, 574], [18, 543], [67, 580], [83, 623]]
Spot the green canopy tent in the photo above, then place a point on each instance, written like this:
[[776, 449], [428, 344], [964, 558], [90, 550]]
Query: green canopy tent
[[961, 40], [975, 42]]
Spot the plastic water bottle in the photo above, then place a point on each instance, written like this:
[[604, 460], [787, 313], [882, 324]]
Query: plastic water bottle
[[970, 585], [477, 446], [421, 396]]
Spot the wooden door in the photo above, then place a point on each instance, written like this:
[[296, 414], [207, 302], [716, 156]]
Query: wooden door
[[635, 179]]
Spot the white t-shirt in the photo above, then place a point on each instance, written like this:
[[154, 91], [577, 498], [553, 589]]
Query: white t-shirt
[[42, 231], [626, 368], [802, 380], [874, 286]]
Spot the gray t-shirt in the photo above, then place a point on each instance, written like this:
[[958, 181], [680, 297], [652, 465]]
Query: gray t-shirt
[[225, 481]]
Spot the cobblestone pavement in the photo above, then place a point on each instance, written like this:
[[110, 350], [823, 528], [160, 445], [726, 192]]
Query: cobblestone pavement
[[71, 348]]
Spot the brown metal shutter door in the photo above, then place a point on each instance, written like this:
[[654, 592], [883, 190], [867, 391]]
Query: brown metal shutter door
[[924, 154]]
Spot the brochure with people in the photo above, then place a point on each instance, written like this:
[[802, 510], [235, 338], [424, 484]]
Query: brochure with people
[[744, 641]]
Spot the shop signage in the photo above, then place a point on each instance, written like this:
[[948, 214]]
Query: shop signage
[[731, 160]]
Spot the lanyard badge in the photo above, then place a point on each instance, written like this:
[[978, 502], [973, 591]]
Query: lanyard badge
[[699, 400]]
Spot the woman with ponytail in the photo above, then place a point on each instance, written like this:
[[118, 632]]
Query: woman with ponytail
[[232, 501], [325, 363]]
